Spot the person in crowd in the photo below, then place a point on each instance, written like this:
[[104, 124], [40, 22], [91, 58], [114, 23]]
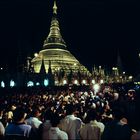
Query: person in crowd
[[136, 135], [117, 129], [18, 130], [54, 133], [1, 113], [3, 117], [44, 127], [34, 119], [92, 130], [71, 124], [81, 100], [2, 131], [10, 113]]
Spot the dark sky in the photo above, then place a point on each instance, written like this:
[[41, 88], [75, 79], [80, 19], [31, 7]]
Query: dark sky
[[94, 30]]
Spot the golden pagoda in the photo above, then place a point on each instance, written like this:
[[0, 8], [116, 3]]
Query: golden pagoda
[[55, 50]]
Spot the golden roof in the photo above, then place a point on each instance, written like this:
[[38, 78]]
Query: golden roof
[[55, 50]]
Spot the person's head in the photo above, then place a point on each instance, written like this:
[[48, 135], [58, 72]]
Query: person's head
[[36, 112], [91, 115], [19, 115], [117, 114], [55, 120], [48, 114], [70, 109]]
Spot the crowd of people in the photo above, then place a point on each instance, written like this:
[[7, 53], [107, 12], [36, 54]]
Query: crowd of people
[[70, 115]]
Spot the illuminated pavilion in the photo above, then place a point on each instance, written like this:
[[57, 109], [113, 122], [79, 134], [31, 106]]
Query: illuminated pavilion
[[55, 51]]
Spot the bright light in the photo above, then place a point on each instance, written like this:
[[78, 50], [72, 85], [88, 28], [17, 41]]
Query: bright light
[[37, 84], [130, 77], [96, 87], [30, 84], [76, 82], [84, 81], [1, 68], [101, 81], [36, 54], [46, 82], [93, 81], [2, 84], [124, 72], [64, 82], [12, 83], [114, 68], [74, 64]]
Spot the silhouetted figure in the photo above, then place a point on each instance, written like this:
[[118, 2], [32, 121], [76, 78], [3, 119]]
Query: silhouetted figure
[[18, 130], [117, 129]]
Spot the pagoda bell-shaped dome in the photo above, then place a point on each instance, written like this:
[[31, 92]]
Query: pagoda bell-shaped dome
[[55, 50]]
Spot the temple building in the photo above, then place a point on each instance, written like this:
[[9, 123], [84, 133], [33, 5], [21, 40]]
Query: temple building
[[55, 51], [102, 75], [54, 65]]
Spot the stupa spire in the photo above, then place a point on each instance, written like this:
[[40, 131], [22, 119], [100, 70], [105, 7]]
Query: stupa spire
[[55, 8], [54, 38]]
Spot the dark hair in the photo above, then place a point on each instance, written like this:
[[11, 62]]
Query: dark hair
[[35, 111], [91, 115], [18, 114], [55, 120], [48, 114], [70, 109], [118, 114]]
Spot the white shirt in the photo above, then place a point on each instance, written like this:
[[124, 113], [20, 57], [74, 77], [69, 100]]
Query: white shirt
[[99, 124], [2, 130], [71, 125], [55, 133], [90, 131], [34, 122]]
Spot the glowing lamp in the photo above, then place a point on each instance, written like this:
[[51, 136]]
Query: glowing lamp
[[64, 82], [46, 82], [96, 87], [130, 77], [30, 84], [2, 84], [12, 83], [37, 84], [36, 54]]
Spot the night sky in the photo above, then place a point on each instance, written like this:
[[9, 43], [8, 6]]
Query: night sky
[[94, 31]]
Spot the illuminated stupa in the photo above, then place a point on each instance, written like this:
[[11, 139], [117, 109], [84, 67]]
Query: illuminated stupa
[[55, 51]]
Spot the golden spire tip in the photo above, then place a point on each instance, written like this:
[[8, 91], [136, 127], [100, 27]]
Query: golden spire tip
[[54, 7]]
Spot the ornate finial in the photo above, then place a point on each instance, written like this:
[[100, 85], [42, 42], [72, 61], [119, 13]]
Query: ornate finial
[[54, 7], [54, 36]]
